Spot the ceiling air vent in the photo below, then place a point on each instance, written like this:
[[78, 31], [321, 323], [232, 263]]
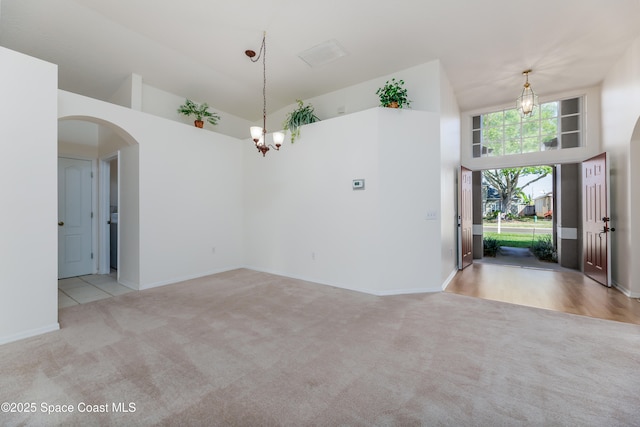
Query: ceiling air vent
[[323, 53]]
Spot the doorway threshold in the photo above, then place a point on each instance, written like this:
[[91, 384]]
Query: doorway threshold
[[520, 257]]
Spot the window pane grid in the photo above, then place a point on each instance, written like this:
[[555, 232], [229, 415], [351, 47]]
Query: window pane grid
[[506, 132]]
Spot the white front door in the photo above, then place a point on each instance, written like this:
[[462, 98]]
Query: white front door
[[75, 256]]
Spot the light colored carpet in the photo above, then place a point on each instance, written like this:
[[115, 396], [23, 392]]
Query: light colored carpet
[[245, 348]]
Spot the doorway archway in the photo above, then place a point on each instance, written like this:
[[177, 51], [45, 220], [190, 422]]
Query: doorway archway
[[106, 145]]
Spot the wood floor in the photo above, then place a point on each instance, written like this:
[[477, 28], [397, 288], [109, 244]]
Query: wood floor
[[569, 292]]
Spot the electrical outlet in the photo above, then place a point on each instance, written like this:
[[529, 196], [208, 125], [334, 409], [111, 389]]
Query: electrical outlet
[[313, 256], [213, 250]]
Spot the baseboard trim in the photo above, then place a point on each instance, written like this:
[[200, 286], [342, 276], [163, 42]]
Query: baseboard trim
[[185, 278], [128, 284], [408, 291], [450, 278], [625, 291], [30, 333], [350, 288]]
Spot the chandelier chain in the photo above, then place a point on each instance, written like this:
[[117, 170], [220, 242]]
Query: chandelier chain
[[258, 135], [263, 54], [263, 50]]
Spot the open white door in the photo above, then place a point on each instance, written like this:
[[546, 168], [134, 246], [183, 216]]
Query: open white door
[[75, 256], [596, 247], [465, 219]]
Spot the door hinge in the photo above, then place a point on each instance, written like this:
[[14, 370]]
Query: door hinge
[[91, 255], [91, 174], [91, 214]]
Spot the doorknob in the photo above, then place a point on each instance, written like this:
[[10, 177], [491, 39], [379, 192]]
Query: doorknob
[[60, 223]]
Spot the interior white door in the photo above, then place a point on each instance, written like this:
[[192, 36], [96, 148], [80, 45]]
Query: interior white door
[[75, 256]]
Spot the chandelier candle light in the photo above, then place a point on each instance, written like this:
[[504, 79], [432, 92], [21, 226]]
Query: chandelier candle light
[[528, 101], [259, 134]]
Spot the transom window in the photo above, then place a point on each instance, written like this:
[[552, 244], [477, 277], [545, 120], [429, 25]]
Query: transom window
[[553, 125]]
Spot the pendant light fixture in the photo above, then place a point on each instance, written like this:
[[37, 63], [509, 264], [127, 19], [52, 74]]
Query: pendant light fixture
[[259, 134], [528, 100]]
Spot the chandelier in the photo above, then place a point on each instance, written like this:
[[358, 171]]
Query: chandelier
[[259, 134], [528, 100]]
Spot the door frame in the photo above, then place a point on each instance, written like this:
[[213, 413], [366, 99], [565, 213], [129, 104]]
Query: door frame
[[104, 216], [554, 177]]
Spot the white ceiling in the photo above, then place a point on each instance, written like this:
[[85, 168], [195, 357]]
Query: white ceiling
[[195, 48]]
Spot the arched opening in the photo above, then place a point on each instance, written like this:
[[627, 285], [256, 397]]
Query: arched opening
[[625, 200], [95, 149]]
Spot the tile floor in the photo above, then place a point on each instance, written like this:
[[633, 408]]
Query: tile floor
[[83, 289]]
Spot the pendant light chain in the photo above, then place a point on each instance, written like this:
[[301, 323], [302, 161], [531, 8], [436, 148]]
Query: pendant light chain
[[260, 138], [263, 49], [263, 54]]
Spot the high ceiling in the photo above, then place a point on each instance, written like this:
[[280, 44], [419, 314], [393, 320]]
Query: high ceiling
[[195, 48]]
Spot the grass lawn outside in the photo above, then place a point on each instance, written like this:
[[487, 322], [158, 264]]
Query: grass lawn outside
[[523, 222], [514, 240]]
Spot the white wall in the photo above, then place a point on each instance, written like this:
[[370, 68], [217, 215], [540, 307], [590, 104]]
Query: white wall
[[620, 115], [449, 150], [77, 138], [164, 104], [190, 203], [129, 94], [421, 82], [137, 95], [195, 202], [29, 243], [156, 212], [129, 247], [410, 188], [303, 219], [190, 193]]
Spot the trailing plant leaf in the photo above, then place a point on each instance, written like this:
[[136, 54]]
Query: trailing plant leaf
[[393, 91], [302, 115], [199, 111]]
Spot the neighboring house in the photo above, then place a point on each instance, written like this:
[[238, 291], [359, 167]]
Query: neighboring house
[[544, 205], [491, 200], [526, 210]]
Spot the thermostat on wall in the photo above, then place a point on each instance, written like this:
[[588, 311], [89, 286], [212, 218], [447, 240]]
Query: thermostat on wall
[[358, 184]]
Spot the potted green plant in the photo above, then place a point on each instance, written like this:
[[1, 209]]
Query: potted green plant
[[393, 95], [302, 115], [199, 111]]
